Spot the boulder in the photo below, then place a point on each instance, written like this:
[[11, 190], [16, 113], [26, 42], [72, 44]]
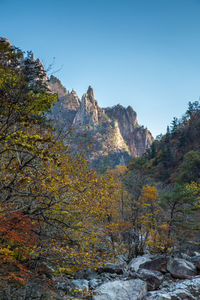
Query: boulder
[[157, 295], [80, 284], [156, 264], [121, 290], [181, 268], [136, 262], [196, 261], [153, 278], [112, 268]]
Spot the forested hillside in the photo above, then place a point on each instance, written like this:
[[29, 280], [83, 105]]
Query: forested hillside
[[175, 157], [172, 167]]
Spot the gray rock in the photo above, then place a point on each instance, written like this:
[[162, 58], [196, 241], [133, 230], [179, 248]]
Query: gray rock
[[196, 261], [153, 278], [167, 282], [182, 290], [121, 290], [112, 268], [181, 268], [195, 253], [156, 264], [157, 295], [80, 284], [85, 274], [190, 286], [93, 283], [136, 262], [181, 294], [185, 256]]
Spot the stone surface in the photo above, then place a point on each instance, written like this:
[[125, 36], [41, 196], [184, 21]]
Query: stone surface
[[136, 262], [80, 284], [93, 283], [137, 137], [157, 295], [153, 278], [112, 268], [192, 287], [121, 290], [156, 264], [179, 294], [63, 111], [89, 113], [196, 261], [181, 268]]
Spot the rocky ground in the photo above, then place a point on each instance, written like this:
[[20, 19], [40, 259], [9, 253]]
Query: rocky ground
[[147, 277]]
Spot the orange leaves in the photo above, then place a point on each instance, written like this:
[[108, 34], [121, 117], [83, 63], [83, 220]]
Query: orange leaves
[[17, 240], [17, 228]]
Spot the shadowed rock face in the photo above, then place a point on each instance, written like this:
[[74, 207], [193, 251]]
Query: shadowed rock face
[[65, 109], [114, 132]]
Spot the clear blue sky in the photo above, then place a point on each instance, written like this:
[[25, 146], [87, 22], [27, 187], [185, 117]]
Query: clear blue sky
[[143, 53]]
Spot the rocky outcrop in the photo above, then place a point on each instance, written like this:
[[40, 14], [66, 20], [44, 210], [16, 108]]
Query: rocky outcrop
[[113, 132], [89, 113]]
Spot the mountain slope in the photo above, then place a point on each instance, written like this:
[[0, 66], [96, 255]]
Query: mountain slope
[[175, 158]]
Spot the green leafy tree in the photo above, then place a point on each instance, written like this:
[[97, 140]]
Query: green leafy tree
[[189, 169]]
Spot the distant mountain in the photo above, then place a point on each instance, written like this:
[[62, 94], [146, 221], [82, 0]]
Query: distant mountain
[[113, 132]]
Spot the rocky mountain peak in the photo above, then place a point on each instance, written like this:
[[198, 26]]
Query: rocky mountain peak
[[90, 93], [89, 113]]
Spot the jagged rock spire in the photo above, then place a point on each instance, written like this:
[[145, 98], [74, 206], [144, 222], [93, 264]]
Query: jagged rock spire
[[90, 92]]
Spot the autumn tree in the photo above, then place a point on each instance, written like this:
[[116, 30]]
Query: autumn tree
[[46, 190]]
